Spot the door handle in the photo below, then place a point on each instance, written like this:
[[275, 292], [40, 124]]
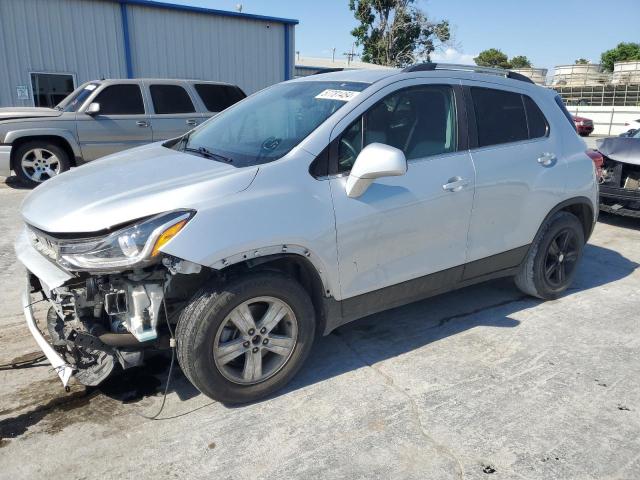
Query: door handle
[[455, 184], [547, 159], [142, 123], [192, 122]]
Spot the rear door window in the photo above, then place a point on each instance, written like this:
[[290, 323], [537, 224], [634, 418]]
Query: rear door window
[[123, 99], [500, 116], [169, 99], [218, 97]]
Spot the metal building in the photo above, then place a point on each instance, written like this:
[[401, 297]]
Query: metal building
[[49, 47]]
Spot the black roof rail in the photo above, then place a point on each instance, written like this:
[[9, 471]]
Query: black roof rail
[[431, 66]]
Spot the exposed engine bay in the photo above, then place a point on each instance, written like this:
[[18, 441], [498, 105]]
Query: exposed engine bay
[[99, 322]]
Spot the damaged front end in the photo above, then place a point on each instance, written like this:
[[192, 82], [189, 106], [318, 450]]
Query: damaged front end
[[620, 176], [111, 295]]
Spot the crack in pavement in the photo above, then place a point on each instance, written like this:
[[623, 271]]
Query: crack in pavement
[[413, 405]]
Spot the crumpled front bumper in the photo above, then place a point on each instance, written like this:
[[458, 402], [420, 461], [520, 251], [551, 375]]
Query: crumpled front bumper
[[62, 368], [50, 276]]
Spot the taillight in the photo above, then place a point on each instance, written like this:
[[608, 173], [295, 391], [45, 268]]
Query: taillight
[[598, 161]]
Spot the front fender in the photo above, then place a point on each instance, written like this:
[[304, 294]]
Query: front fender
[[285, 210], [12, 135]]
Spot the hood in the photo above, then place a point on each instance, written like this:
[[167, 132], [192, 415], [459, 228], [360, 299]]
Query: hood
[[13, 113], [580, 119], [621, 149], [129, 185]]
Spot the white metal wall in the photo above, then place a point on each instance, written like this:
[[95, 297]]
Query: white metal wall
[[246, 52], [81, 37], [607, 120]]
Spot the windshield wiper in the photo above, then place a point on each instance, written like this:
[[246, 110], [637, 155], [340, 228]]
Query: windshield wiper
[[205, 152]]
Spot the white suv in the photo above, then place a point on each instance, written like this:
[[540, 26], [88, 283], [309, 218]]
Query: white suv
[[309, 204]]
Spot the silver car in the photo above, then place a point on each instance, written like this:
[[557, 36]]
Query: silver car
[[104, 117], [305, 206]]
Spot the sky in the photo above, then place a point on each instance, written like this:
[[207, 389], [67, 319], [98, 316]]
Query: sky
[[548, 32]]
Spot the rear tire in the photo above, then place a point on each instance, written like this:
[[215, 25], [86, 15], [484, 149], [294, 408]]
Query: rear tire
[[37, 161], [551, 262], [219, 357]]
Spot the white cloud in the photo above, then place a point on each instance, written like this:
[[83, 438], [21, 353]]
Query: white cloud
[[451, 55]]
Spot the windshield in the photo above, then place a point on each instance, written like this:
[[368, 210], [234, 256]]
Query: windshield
[[73, 101], [267, 125]]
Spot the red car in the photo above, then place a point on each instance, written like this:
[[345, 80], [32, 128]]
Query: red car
[[584, 126]]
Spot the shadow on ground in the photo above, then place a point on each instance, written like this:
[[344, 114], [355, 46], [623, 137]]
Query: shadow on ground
[[619, 221], [14, 182], [391, 333], [378, 337]]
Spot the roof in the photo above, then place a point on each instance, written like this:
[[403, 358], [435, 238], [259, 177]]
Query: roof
[[206, 11], [364, 75], [373, 76], [320, 63]]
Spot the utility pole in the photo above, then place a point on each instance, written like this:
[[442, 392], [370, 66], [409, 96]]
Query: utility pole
[[352, 54]]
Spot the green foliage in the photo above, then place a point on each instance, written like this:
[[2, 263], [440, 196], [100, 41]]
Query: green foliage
[[622, 52], [396, 32], [492, 58], [520, 61], [582, 61]]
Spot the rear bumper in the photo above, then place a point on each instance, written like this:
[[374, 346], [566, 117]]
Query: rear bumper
[[621, 201], [62, 368], [5, 160]]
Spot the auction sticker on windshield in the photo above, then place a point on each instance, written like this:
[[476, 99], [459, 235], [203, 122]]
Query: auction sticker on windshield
[[342, 95]]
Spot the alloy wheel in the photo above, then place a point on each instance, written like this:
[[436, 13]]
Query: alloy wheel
[[40, 164], [561, 258], [255, 340]]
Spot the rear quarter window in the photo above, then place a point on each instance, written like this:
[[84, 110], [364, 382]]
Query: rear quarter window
[[218, 97], [564, 110], [536, 121]]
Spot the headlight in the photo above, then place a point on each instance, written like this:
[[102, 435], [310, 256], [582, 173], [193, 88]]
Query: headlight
[[136, 245]]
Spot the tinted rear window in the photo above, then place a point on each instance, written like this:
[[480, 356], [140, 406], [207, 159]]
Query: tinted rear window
[[218, 97], [170, 99], [500, 116], [565, 112], [121, 100], [538, 126]]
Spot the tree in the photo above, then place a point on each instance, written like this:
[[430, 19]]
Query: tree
[[492, 58], [622, 52], [582, 61], [396, 32], [520, 61]]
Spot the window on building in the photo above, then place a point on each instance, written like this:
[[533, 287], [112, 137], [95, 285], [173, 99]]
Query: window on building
[[218, 97], [125, 99], [170, 99], [500, 116], [49, 89], [420, 121]]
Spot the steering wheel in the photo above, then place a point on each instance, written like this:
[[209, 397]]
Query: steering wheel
[[346, 161]]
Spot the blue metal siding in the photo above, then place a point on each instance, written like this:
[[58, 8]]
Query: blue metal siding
[[126, 39]]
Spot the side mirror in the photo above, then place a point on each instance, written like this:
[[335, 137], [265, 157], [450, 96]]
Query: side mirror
[[375, 160], [93, 109]]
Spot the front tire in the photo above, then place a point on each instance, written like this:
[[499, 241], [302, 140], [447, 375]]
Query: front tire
[[551, 263], [243, 340], [37, 161]]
